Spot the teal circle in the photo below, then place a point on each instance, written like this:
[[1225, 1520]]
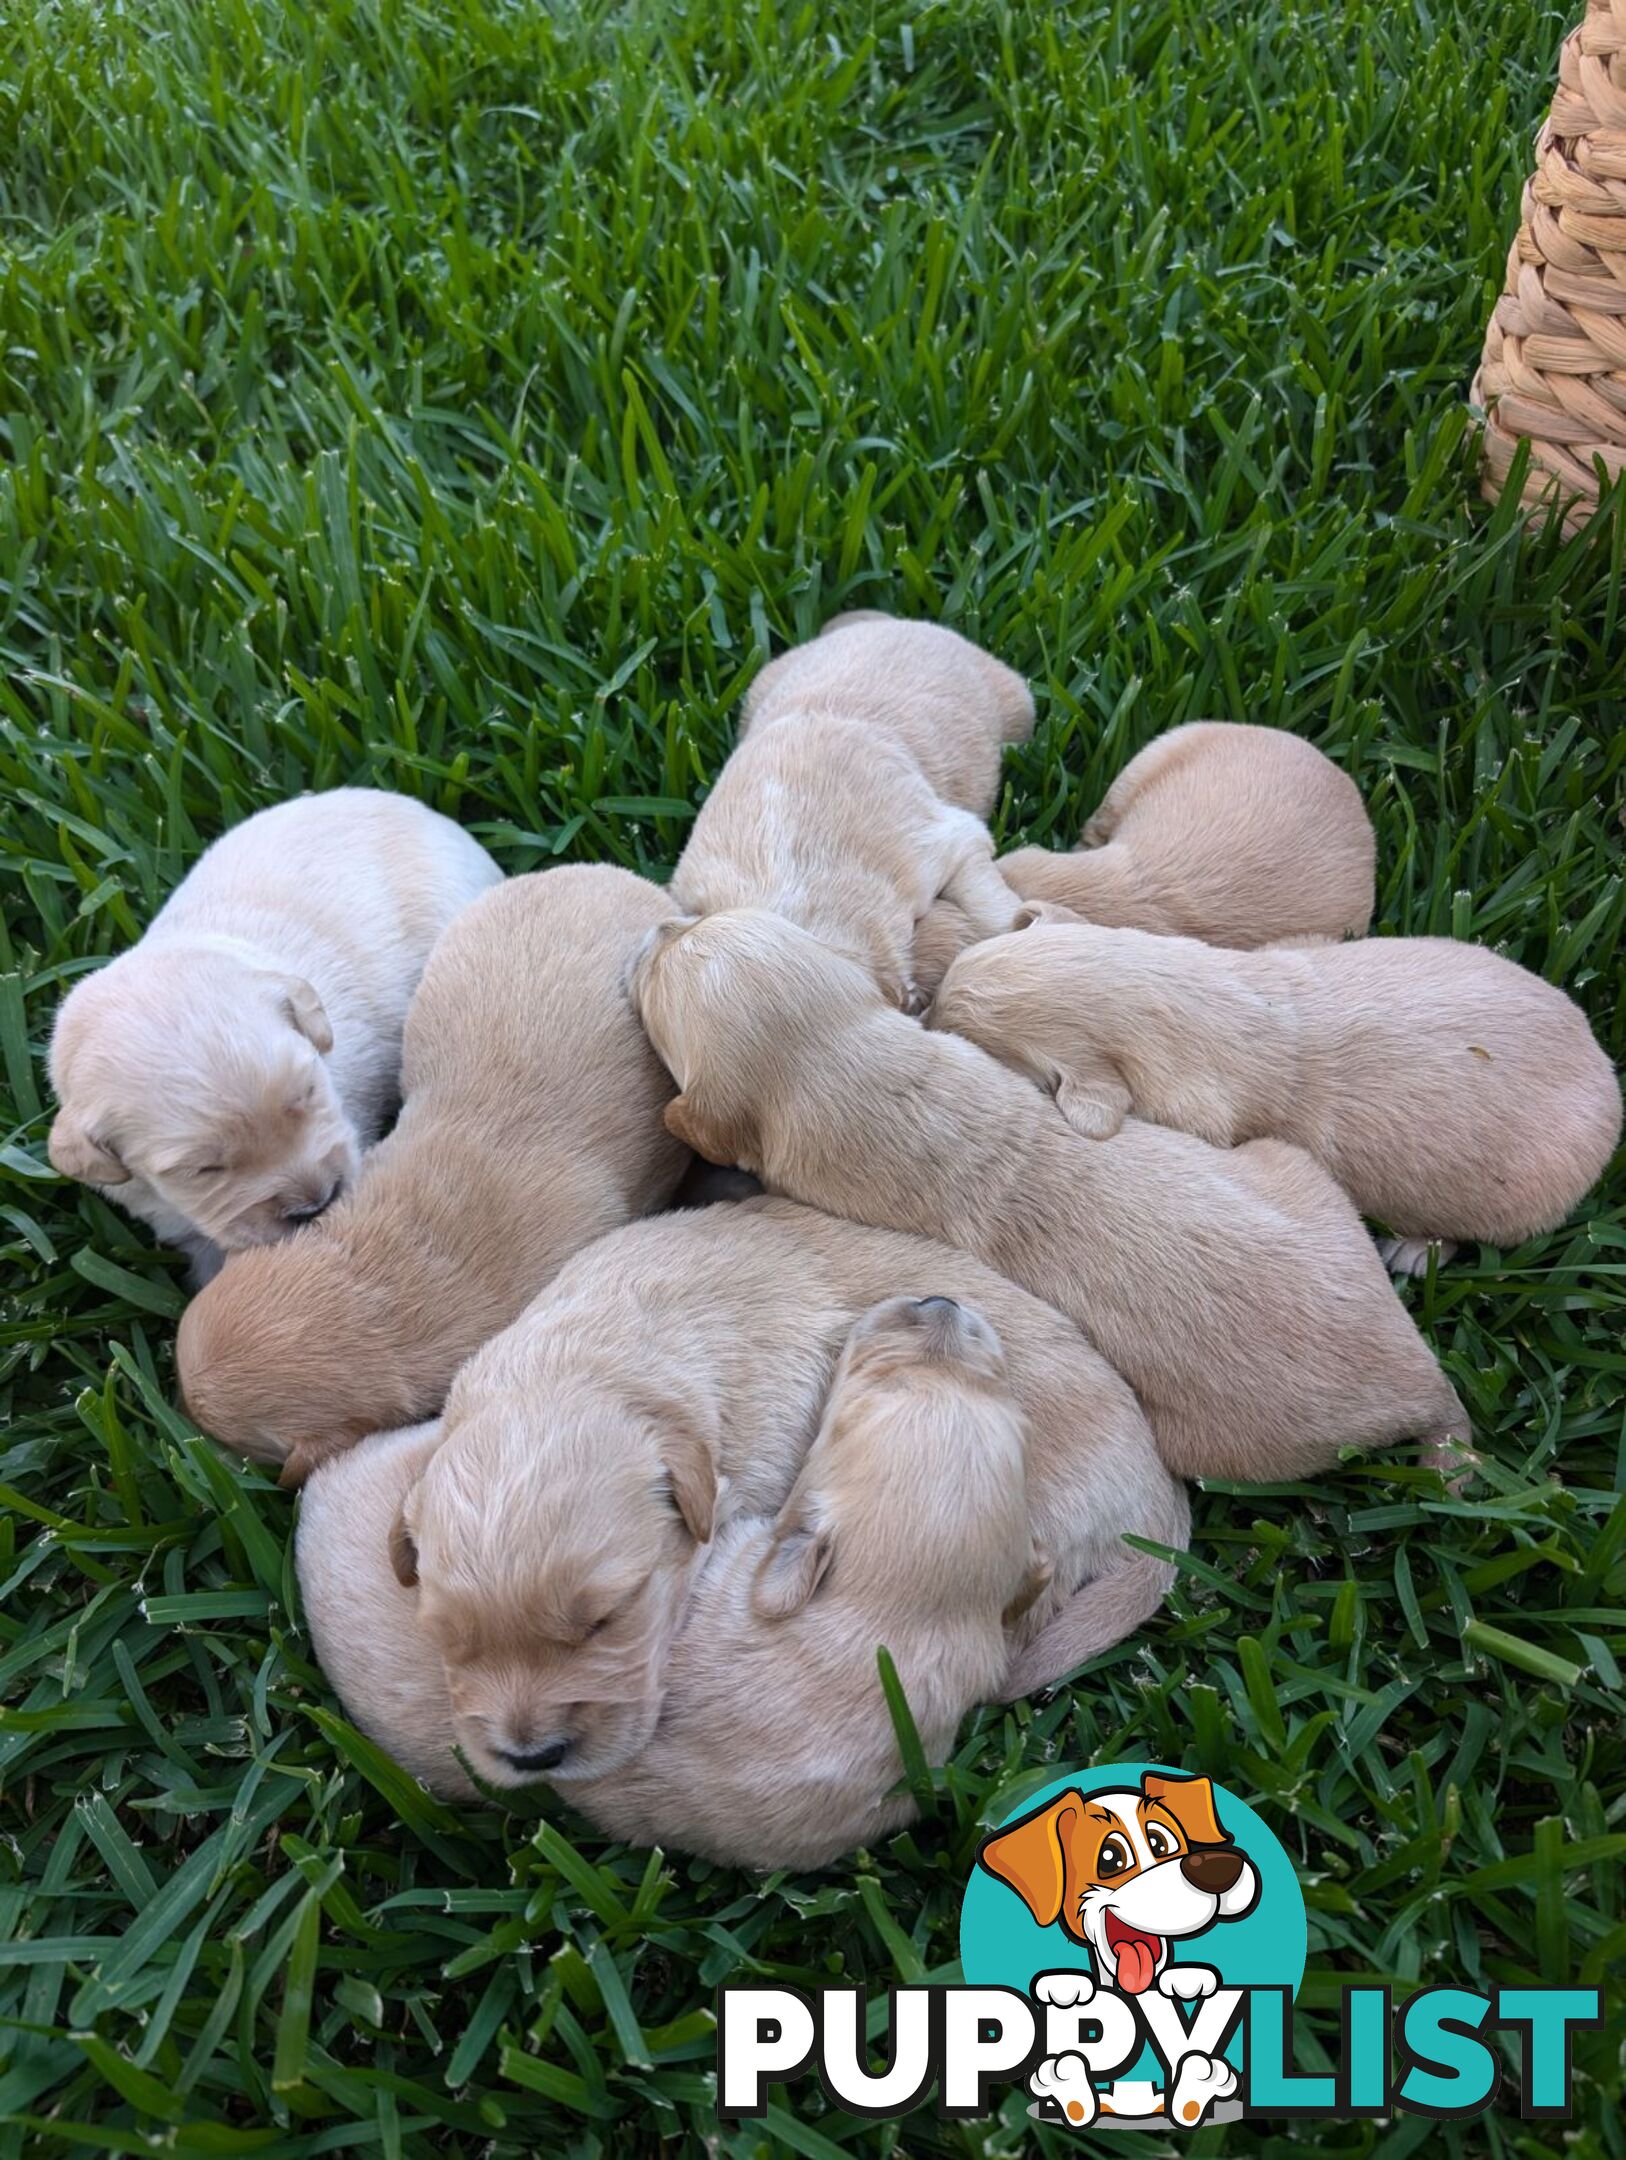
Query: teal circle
[[1002, 1945]]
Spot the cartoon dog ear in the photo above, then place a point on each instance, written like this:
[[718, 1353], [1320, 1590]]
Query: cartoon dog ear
[[76, 1153], [404, 1550], [790, 1571], [306, 1012], [1031, 1856], [727, 1141], [1190, 1800]]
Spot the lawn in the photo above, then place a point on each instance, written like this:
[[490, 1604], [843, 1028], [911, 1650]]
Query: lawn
[[463, 396]]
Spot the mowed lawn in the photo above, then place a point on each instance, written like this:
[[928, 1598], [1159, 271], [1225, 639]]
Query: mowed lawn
[[463, 396]]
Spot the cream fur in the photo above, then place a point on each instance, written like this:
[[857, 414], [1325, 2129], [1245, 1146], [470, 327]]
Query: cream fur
[[1236, 1291], [831, 809], [670, 1380], [1451, 1093], [532, 1124], [221, 1079]]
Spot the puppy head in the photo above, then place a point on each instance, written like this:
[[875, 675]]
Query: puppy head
[[729, 1001], [290, 1354], [914, 1490], [1011, 994], [552, 1542], [205, 1077]]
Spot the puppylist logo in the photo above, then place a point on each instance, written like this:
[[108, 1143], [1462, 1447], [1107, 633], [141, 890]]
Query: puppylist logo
[[1132, 1940]]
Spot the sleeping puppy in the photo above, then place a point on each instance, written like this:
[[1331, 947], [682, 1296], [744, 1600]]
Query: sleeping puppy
[[1452, 1094], [532, 1124], [949, 704], [1236, 1291], [669, 1381], [221, 1079], [827, 812], [907, 1527], [1236, 835]]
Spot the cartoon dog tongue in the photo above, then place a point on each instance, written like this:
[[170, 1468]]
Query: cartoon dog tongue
[[1136, 1954]]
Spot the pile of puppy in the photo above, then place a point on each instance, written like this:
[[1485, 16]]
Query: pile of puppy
[[1064, 1161]]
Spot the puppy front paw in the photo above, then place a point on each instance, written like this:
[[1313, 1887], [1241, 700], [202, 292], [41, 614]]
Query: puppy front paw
[[1096, 1112], [915, 1001], [1203, 2079], [1410, 1255], [1065, 2079]]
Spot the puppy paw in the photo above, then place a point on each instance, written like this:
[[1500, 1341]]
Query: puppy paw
[[1067, 1990], [1410, 1255], [1065, 2079], [915, 1001], [1094, 1112], [1187, 1983], [1203, 2079]]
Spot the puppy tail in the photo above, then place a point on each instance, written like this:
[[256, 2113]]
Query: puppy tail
[[1097, 1615]]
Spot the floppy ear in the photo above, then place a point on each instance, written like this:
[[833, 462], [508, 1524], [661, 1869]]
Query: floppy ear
[[790, 1571], [1041, 911], [1031, 1857], [403, 1551], [77, 1154], [725, 1141], [306, 1012], [1191, 1802], [691, 1470]]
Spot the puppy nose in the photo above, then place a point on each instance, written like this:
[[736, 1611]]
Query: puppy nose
[[1211, 1871], [308, 1210], [533, 1761], [936, 1305]]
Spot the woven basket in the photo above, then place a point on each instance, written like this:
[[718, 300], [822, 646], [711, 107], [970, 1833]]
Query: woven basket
[[1554, 365]]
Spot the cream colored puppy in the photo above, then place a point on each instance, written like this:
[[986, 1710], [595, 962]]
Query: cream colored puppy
[[1237, 835], [532, 1124], [828, 810], [221, 1079], [906, 1527], [1450, 1093], [669, 1380], [1236, 1291], [951, 705]]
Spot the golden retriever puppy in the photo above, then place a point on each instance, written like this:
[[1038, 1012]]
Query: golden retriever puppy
[[1236, 835], [669, 1380], [221, 1078], [951, 705], [1236, 1291], [828, 810], [1452, 1094], [905, 1527], [532, 1124]]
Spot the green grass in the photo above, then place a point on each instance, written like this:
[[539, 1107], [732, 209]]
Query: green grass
[[463, 396]]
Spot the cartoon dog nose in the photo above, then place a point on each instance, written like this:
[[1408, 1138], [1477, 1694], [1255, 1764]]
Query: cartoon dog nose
[[310, 1209], [1211, 1871], [533, 1761]]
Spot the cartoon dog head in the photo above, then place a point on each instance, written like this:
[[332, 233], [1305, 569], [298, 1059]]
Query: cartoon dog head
[[1126, 1872]]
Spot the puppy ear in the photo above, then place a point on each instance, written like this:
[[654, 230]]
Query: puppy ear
[[77, 1154], [691, 1475], [1031, 1856], [404, 1551], [729, 1142], [1043, 911], [306, 1012], [790, 1571], [1190, 1800]]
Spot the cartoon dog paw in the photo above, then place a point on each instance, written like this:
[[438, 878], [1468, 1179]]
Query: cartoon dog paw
[[1187, 1983], [1067, 1990], [1066, 2080], [1203, 2079]]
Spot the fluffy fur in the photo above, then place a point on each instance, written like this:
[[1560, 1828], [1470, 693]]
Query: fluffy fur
[[1236, 835], [906, 1526], [221, 1079], [833, 808], [1450, 1093], [532, 1124], [1236, 1291], [669, 1381]]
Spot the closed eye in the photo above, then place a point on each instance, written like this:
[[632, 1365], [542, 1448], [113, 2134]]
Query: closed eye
[[616, 1612], [210, 1169]]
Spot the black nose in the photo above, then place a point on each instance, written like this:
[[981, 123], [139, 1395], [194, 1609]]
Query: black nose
[[935, 1304], [1211, 1871], [316, 1207], [533, 1761]]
